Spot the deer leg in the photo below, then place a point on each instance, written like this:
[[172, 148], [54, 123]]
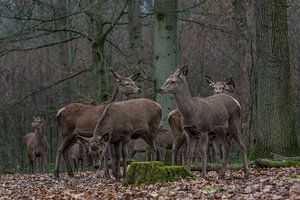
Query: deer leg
[[216, 147], [175, 149], [75, 162], [153, 147], [191, 144], [105, 162], [62, 146], [237, 137], [124, 155], [118, 160], [42, 163], [31, 165], [112, 154], [81, 164], [68, 163], [204, 143], [225, 146]]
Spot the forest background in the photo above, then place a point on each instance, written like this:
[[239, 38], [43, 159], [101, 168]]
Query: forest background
[[56, 52]]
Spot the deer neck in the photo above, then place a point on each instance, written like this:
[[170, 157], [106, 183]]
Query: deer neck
[[39, 134], [184, 101], [118, 96]]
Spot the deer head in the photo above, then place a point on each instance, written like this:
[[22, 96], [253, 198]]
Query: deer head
[[175, 81], [38, 122], [126, 84], [96, 147], [221, 86]]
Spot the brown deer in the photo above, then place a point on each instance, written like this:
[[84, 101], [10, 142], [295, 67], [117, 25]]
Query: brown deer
[[221, 86], [78, 153], [174, 119], [85, 117], [36, 144], [164, 140], [122, 121], [219, 113]]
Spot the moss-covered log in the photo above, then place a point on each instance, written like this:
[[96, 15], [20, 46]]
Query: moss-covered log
[[282, 158], [145, 173], [274, 163]]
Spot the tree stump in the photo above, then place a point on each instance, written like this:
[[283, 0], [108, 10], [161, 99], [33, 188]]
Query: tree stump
[[145, 173]]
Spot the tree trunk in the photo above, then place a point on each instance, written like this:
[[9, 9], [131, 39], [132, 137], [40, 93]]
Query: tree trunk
[[135, 34], [276, 131], [99, 71], [165, 48], [135, 40]]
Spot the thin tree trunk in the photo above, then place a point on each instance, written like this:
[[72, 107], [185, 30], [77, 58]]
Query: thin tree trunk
[[96, 31], [135, 40], [166, 53], [276, 130]]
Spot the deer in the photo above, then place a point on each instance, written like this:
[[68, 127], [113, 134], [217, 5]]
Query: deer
[[174, 119], [84, 117], [164, 140], [36, 144], [219, 113], [78, 152], [120, 122]]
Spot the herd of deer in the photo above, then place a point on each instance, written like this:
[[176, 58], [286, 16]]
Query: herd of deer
[[119, 128]]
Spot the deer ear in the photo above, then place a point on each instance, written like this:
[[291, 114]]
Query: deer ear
[[230, 82], [134, 77], [104, 138], [34, 118], [210, 81], [84, 140], [184, 70], [116, 75]]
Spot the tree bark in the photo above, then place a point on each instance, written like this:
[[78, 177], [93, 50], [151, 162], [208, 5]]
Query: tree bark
[[166, 50], [276, 130]]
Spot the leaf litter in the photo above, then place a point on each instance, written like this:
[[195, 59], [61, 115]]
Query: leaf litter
[[264, 183]]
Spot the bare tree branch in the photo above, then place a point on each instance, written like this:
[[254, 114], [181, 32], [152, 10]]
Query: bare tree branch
[[47, 86], [2, 53], [212, 27]]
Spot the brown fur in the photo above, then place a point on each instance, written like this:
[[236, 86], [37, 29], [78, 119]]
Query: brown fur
[[164, 140], [219, 113], [84, 117], [78, 153], [174, 119], [36, 144], [121, 121]]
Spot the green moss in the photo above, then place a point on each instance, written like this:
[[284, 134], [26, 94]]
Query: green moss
[[293, 176], [260, 151], [145, 173], [274, 163], [209, 189]]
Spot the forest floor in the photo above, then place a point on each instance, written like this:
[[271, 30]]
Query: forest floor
[[264, 183]]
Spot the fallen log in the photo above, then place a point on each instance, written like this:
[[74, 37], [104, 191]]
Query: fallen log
[[282, 158], [275, 163]]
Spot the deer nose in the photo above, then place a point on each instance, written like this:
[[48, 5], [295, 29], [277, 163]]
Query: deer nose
[[139, 91], [160, 90]]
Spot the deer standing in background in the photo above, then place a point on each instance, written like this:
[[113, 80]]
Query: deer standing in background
[[36, 144], [164, 140], [85, 117], [219, 113], [78, 154], [220, 143], [120, 122]]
